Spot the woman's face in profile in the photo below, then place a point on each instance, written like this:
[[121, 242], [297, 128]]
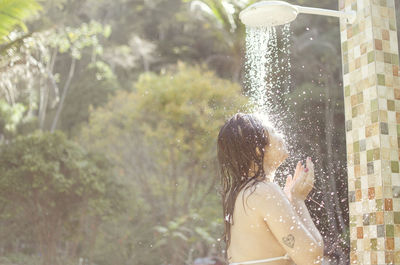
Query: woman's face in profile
[[276, 151]]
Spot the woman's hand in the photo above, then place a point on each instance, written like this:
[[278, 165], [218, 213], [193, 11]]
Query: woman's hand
[[303, 180], [288, 187], [302, 183]]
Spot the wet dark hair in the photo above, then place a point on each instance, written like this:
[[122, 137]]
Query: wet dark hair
[[240, 141]]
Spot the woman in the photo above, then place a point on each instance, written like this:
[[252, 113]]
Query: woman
[[274, 227]]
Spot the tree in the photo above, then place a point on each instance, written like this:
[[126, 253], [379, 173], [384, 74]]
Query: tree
[[230, 33], [31, 76], [56, 185], [162, 138]]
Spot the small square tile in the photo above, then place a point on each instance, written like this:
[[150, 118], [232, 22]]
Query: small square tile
[[396, 192], [379, 203], [387, 57], [349, 125], [390, 243], [377, 152], [372, 221], [370, 168], [384, 128], [357, 158], [373, 244], [397, 93], [397, 256], [371, 57], [374, 256], [362, 145], [379, 218], [371, 193], [358, 195], [370, 155], [365, 219], [352, 196], [381, 230], [356, 148], [388, 205], [381, 80], [389, 231], [374, 104], [389, 257], [385, 34], [347, 91], [360, 233], [391, 105], [394, 166], [378, 44], [396, 217], [398, 117]]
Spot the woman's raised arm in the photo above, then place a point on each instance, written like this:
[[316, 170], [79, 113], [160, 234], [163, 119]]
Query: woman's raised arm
[[299, 189], [275, 208]]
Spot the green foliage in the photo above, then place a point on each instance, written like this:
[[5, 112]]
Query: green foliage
[[10, 117], [12, 14], [32, 76], [229, 33], [162, 138], [95, 85], [188, 105], [75, 39], [52, 182], [52, 172]]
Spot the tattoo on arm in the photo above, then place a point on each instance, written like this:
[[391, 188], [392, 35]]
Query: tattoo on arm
[[288, 240]]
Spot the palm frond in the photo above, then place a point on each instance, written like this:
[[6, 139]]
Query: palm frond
[[220, 13], [13, 13]]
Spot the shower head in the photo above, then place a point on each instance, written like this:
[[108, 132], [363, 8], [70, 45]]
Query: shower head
[[275, 13], [268, 13]]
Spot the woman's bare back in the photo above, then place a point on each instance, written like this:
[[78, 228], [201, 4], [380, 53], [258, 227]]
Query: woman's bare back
[[251, 237]]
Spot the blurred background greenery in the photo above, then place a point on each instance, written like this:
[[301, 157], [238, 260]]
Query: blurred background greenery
[[109, 113]]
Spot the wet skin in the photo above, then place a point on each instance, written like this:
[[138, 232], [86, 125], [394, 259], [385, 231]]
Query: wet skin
[[268, 225]]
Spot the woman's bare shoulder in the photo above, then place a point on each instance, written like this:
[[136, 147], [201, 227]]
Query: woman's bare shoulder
[[266, 190], [267, 187]]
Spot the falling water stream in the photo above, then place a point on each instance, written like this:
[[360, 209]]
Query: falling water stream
[[268, 68]]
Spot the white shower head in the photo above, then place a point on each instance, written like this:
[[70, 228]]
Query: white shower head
[[275, 13], [268, 13]]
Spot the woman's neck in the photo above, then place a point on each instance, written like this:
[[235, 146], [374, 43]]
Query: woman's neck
[[270, 175], [269, 171]]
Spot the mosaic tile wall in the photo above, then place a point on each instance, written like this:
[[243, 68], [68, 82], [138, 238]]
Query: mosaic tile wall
[[372, 110]]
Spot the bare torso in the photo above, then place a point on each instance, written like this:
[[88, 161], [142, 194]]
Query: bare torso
[[251, 238]]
